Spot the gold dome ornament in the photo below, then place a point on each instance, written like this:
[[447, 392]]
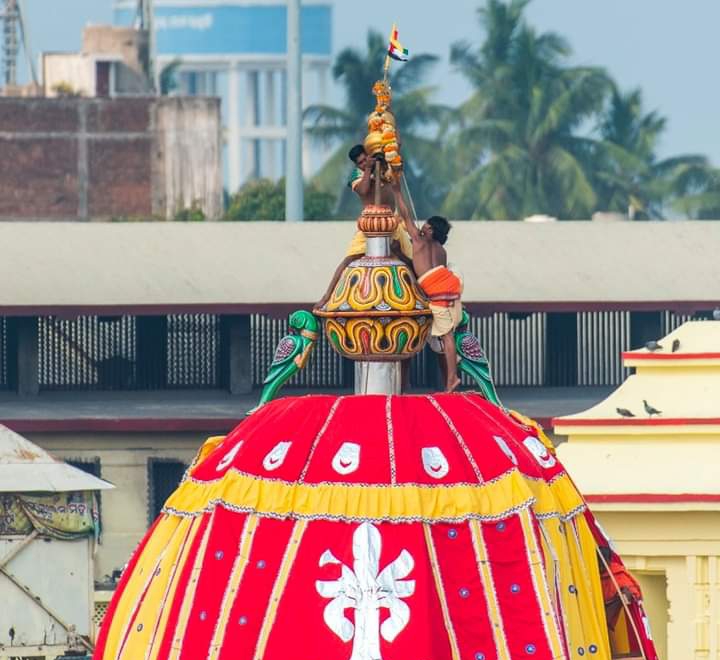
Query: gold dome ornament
[[373, 143], [377, 220], [376, 311]]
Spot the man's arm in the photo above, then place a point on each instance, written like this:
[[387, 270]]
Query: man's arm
[[362, 187], [404, 213]]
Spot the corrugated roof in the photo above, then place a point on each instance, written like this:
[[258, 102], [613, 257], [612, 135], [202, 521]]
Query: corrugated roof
[[26, 468], [504, 264]]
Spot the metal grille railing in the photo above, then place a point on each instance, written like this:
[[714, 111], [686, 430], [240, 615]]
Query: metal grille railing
[[515, 347], [4, 380], [87, 353], [669, 321], [602, 337], [193, 351], [190, 351], [130, 353], [324, 369]]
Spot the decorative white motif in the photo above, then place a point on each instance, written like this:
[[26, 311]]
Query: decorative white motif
[[229, 457], [277, 456], [539, 451], [434, 462], [506, 449], [366, 590], [347, 458]]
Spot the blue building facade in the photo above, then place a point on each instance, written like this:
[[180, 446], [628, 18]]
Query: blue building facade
[[236, 49]]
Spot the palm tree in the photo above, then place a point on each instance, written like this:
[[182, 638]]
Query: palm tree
[[414, 113], [520, 151], [629, 176]]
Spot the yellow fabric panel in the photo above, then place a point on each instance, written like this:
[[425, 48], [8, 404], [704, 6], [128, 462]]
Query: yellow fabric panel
[[495, 499], [145, 623], [178, 563], [146, 563], [583, 625], [589, 550], [540, 584], [586, 579], [358, 244]]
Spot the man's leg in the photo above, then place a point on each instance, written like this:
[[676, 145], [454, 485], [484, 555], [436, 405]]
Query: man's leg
[[442, 364], [452, 380]]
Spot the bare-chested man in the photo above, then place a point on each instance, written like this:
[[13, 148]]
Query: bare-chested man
[[440, 284], [362, 182]]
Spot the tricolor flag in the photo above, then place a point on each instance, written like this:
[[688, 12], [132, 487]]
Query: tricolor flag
[[396, 49]]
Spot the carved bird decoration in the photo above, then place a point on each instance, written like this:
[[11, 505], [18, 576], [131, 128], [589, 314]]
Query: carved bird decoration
[[291, 353], [473, 361], [624, 412], [650, 410]]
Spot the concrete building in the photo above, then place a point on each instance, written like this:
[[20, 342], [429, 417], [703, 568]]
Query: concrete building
[[236, 49], [113, 61], [109, 158], [154, 336], [652, 480]]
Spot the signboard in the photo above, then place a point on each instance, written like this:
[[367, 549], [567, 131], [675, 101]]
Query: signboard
[[232, 29]]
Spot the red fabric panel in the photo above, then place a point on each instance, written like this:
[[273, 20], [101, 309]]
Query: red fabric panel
[[357, 420], [467, 604], [519, 607], [419, 425], [300, 623], [253, 595], [220, 554]]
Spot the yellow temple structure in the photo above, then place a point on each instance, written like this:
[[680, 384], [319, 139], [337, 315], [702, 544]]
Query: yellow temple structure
[[648, 460]]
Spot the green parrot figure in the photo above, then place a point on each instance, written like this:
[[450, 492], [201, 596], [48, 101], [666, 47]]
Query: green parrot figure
[[291, 353], [473, 361]]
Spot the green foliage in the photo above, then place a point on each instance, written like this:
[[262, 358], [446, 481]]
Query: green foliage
[[265, 200], [192, 214], [538, 135]]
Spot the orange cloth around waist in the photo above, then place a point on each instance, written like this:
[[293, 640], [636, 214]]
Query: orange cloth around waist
[[441, 286]]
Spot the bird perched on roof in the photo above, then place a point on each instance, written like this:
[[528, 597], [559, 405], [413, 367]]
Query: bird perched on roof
[[473, 361], [675, 345], [291, 353], [624, 412], [650, 410], [653, 346]]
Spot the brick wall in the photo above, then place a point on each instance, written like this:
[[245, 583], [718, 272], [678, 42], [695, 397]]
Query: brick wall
[[93, 158]]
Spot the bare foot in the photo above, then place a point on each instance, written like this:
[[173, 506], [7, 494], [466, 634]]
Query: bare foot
[[452, 385]]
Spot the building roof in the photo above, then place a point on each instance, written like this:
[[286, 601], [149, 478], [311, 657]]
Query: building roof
[[263, 266], [658, 459], [26, 468]]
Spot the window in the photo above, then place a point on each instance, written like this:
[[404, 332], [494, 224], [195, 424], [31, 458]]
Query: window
[[164, 476]]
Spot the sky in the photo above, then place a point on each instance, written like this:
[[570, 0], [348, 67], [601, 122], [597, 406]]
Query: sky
[[670, 49]]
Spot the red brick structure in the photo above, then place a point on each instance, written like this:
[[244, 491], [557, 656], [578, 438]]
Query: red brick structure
[[105, 158]]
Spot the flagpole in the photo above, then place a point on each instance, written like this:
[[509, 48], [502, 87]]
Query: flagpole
[[386, 68]]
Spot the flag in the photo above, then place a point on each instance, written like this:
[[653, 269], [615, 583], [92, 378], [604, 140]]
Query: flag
[[395, 49]]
